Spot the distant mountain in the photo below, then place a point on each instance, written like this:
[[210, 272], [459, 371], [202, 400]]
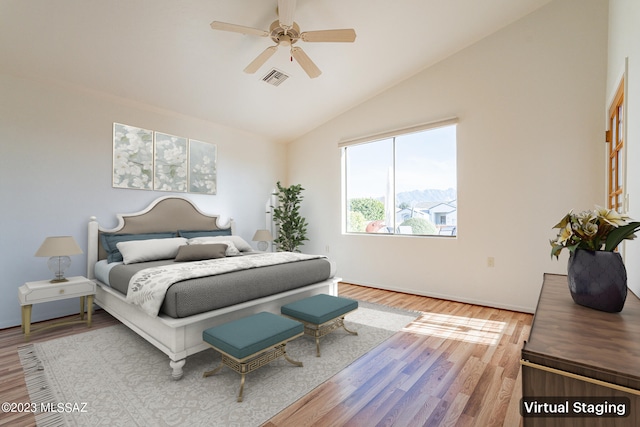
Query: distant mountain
[[425, 197], [421, 196]]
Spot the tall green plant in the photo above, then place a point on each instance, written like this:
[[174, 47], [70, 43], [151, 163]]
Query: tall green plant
[[291, 226]]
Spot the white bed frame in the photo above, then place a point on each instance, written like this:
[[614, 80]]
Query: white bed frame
[[179, 338]]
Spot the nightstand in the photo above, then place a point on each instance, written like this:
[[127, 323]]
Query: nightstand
[[44, 291]]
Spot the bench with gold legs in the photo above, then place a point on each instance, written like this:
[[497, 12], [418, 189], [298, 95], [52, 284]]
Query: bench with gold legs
[[251, 342], [320, 314]]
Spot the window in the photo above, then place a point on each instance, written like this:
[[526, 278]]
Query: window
[[615, 140], [402, 182]]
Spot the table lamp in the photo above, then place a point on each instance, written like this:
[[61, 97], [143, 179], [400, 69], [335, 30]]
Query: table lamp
[[262, 237], [58, 248]]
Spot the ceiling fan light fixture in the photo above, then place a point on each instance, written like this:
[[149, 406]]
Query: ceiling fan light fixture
[[285, 40], [284, 31]]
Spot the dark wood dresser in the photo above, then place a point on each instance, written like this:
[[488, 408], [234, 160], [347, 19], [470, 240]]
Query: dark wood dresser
[[583, 357]]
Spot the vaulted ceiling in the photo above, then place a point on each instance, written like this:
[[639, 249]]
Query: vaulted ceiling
[[164, 52]]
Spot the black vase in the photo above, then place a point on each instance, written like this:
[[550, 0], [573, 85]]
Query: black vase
[[598, 279]]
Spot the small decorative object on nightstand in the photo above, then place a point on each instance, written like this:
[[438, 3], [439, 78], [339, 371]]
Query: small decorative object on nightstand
[[44, 291], [58, 248], [262, 237]]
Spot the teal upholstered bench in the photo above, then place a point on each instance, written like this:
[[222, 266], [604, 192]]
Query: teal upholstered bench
[[251, 342], [321, 314]]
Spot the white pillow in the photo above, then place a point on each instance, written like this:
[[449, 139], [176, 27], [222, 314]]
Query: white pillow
[[237, 241], [150, 250]]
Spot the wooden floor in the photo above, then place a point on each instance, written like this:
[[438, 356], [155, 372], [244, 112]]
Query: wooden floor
[[456, 365]]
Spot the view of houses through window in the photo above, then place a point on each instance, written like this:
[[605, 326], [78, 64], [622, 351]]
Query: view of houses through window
[[402, 184]]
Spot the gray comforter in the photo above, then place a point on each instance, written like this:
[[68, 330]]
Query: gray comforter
[[200, 295]]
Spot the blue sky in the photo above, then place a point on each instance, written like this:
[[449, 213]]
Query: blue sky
[[425, 160]]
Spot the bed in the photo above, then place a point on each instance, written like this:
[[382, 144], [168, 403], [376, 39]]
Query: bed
[[177, 329]]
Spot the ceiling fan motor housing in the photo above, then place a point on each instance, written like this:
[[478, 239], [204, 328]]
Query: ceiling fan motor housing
[[284, 36]]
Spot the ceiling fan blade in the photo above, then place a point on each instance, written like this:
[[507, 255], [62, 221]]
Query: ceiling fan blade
[[216, 25], [260, 60], [346, 36], [305, 62], [286, 8]]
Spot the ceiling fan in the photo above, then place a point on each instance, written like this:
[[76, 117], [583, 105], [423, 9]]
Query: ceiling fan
[[285, 32]]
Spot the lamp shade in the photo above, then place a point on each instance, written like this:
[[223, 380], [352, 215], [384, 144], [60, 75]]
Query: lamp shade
[[58, 246], [262, 236]]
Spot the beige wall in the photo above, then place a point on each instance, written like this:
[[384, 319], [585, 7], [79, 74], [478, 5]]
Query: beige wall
[[624, 47], [530, 100]]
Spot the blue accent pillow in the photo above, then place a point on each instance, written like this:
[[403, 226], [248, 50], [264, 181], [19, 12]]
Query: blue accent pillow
[[191, 234], [109, 242]]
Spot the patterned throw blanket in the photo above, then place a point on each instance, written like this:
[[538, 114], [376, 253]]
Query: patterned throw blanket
[[148, 287]]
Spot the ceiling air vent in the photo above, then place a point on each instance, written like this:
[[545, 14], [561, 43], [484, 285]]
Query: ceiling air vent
[[275, 77]]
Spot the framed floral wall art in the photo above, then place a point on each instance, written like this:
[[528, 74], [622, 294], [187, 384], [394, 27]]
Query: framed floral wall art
[[170, 163], [202, 167], [132, 157], [148, 160]]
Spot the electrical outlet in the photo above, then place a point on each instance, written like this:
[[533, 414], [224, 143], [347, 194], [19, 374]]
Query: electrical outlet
[[491, 262]]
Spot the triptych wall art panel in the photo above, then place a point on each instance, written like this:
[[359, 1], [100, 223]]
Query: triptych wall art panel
[[148, 160]]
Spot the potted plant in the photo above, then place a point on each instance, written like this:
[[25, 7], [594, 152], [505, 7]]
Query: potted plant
[[596, 274], [291, 226]]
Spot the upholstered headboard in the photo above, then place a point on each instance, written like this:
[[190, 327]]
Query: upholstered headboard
[[170, 213]]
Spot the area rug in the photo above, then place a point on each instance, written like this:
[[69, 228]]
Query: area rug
[[111, 376]]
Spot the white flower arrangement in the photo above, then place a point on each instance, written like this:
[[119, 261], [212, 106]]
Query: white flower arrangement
[[594, 230]]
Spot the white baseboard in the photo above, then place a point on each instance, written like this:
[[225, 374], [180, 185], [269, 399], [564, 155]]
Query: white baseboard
[[448, 297]]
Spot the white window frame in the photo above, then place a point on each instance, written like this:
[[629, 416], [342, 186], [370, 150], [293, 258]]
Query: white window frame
[[345, 143]]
